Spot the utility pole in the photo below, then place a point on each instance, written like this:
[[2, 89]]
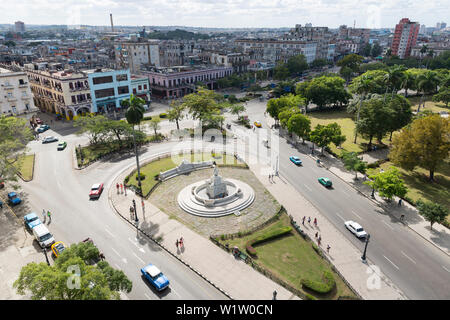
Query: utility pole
[[363, 258]]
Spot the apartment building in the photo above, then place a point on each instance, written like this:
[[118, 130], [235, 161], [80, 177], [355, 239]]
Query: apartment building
[[175, 82], [133, 55], [140, 87], [322, 36], [405, 37], [236, 60], [15, 94]]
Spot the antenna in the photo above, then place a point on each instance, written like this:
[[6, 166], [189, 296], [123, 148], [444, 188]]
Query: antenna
[[354, 24], [112, 25]]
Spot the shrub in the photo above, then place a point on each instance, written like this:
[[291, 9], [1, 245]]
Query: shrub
[[127, 178], [163, 115], [142, 176], [147, 118], [222, 237], [309, 297], [326, 286], [251, 251]]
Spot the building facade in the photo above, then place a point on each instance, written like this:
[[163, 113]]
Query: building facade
[[19, 26], [133, 55], [405, 37], [140, 87], [15, 94]]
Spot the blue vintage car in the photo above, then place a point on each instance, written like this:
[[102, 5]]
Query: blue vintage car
[[42, 128], [13, 198], [31, 220], [325, 182], [295, 160], [155, 277]]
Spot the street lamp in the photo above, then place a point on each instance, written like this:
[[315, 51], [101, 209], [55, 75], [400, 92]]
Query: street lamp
[[363, 258], [46, 257]]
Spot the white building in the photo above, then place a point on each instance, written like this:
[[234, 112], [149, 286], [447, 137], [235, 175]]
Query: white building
[[133, 55], [15, 94]]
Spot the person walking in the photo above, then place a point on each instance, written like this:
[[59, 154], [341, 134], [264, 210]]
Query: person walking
[[181, 242], [49, 216], [117, 187], [328, 248], [121, 188], [274, 295], [303, 220], [125, 188], [177, 243], [131, 212], [309, 220], [400, 202], [44, 215], [317, 233], [315, 222]]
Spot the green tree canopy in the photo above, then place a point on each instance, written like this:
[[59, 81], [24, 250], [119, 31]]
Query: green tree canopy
[[353, 163], [325, 91], [388, 183], [296, 64], [425, 143], [201, 104], [351, 61], [432, 212], [300, 125], [323, 135], [176, 112]]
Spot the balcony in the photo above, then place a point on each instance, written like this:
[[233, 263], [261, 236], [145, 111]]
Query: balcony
[[11, 99], [7, 86], [23, 85], [25, 97]]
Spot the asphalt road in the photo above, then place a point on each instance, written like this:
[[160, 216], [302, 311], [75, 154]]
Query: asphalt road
[[418, 268], [64, 191]]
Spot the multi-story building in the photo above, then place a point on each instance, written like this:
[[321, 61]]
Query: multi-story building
[[133, 55], [15, 94], [435, 48], [320, 35], [274, 50], [19, 26], [238, 61], [108, 88], [405, 37], [140, 87], [175, 82]]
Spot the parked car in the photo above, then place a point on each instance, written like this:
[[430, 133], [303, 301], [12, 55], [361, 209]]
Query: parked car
[[42, 128], [39, 121], [296, 160], [155, 277], [49, 139], [13, 198], [62, 145], [43, 236], [257, 124], [31, 220], [96, 190], [2, 184], [325, 181], [355, 228], [57, 248]]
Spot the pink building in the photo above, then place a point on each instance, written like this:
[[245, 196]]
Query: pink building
[[175, 82], [405, 37]]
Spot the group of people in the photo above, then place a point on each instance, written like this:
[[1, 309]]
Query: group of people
[[121, 188], [317, 235], [47, 214], [179, 243]]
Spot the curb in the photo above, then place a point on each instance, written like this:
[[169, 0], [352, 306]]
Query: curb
[[167, 250], [32, 171]]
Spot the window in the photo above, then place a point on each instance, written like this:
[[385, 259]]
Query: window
[[104, 93], [21, 81], [123, 90], [139, 88], [74, 99], [100, 80], [145, 86], [121, 77]]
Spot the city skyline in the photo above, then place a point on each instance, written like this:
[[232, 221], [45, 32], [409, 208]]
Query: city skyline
[[226, 14]]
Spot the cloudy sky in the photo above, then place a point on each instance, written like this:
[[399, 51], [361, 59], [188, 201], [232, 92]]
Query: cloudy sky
[[226, 13]]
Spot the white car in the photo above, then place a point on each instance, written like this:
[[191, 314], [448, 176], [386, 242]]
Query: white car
[[356, 229]]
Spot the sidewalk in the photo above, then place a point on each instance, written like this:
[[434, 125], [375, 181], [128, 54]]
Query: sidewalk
[[439, 236], [345, 257], [234, 277]]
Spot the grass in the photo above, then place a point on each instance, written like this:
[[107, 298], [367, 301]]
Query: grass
[[429, 105], [345, 120], [419, 187], [26, 167], [152, 169], [291, 258]]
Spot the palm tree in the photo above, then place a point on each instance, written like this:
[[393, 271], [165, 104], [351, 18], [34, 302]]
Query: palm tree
[[362, 88], [394, 78], [408, 82], [426, 82], [134, 114]]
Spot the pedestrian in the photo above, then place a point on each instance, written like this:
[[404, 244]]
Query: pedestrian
[[125, 189], [400, 202], [121, 188], [317, 233], [131, 212], [402, 217], [309, 220], [49, 216], [181, 242], [315, 222], [44, 215], [303, 220], [176, 243], [117, 186], [328, 248], [274, 295]]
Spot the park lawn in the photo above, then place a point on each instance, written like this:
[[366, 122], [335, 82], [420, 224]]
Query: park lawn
[[419, 187], [345, 120], [291, 258], [152, 169], [26, 167], [429, 105]]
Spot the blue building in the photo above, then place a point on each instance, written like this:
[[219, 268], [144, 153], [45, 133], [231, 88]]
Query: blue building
[[108, 88]]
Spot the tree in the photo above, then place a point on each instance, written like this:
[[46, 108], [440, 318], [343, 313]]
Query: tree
[[296, 64], [281, 72], [361, 87], [353, 163], [374, 119], [134, 115], [425, 143], [237, 108], [351, 61], [394, 79], [176, 112], [408, 82], [346, 73], [388, 183], [201, 104], [401, 113], [325, 91], [154, 124], [275, 106], [366, 50], [95, 126], [59, 282], [432, 212], [376, 50], [426, 83], [319, 63], [323, 135], [442, 96], [300, 125], [14, 136], [118, 129], [376, 82]]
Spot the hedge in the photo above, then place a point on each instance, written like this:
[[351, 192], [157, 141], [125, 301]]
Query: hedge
[[265, 237], [147, 118], [326, 286], [142, 176], [163, 115]]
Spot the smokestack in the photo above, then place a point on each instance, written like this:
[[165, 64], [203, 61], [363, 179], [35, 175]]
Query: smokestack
[[112, 25]]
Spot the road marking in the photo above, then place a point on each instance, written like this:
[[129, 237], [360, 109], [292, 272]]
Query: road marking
[[407, 257], [109, 232], [116, 252], [117, 266], [139, 248], [357, 215], [138, 257], [340, 216], [308, 188], [147, 296], [387, 224], [172, 290], [446, 269], [391, 263]]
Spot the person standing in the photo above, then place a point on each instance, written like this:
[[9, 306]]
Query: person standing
[[181, 242], [49, 216], [121, 188], [315, 222], [309, 220], [117, 187], [303, 220], [125, 188], [328, 248], [176, 243]]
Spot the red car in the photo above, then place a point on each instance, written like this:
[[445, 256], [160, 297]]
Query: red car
[[39, 121], [96, 191]]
